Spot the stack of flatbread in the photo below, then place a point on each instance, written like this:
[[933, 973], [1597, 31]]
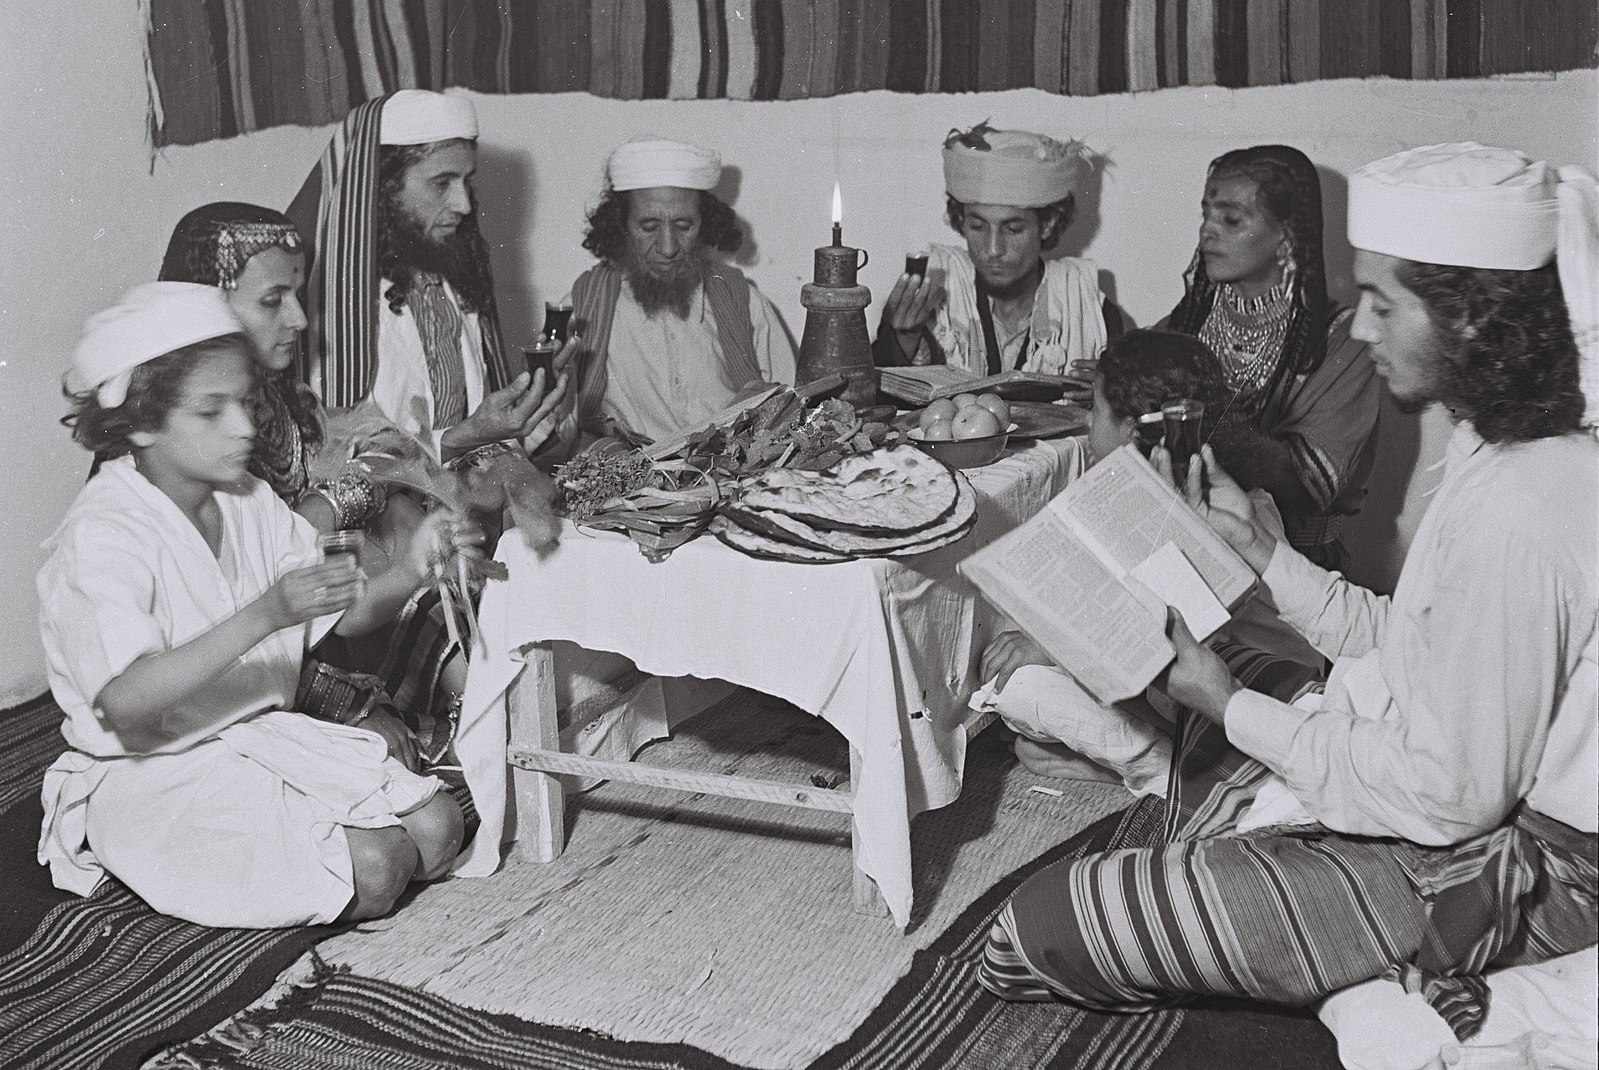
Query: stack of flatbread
[[887, 503]]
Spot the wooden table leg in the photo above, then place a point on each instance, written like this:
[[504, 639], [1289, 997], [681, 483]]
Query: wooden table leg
[[865, 896], [539, 798]]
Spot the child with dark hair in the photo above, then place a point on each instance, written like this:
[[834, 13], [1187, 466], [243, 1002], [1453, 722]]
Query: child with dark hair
[[178, 599], [1062, 731]]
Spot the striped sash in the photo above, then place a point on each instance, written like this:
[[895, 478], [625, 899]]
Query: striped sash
[[438, 322], [1292, 916]]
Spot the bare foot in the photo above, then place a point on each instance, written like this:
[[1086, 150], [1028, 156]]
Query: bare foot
[[1059, 762]]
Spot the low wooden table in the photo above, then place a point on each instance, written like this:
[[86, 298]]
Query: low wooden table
[[884, 650]]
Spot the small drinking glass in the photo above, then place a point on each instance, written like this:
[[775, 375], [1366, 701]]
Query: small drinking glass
[[1182, 419], [557, 323], [916, 265], [334, 543]]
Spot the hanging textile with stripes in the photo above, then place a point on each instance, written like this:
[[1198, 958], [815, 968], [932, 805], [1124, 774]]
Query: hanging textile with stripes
[[220, 68]]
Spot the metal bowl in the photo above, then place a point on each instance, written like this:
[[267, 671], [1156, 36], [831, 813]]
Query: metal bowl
[[964, 452]]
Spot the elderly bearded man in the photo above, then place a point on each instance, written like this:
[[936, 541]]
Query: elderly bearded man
[[1432, 815], [672, 333], [997, 305], [402, 294]]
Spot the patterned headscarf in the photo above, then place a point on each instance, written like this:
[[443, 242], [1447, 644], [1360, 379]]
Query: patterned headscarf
[[1291, 191], [211, 246], [339, 204]]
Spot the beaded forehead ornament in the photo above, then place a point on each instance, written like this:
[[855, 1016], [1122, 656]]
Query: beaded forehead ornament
[[238, 242]]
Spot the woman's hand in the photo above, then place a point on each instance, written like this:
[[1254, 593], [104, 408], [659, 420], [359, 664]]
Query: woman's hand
[[1225, 506], [1199, 678], [401, 743], [1008, 652], [304, 594]]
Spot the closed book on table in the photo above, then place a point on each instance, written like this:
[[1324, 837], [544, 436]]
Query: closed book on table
[[919, 385]]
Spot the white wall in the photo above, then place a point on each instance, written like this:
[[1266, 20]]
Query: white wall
[[84, 214]]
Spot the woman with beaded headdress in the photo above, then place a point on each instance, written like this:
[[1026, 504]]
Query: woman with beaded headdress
[[1256, 294], [256, 256]]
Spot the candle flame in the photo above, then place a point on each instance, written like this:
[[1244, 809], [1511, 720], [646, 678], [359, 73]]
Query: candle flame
[[838, 204]]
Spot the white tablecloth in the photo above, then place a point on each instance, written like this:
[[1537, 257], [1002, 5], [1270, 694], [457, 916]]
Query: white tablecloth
[[883, 649]]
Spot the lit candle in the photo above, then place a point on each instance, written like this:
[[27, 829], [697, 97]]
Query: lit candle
[[838, 215]]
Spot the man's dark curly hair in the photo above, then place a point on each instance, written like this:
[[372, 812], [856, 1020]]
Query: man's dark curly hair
[[1060, 214], [1508, 348], [469, 272], [607, 237], [154, 390]]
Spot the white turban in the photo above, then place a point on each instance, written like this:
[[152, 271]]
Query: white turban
[[151, 320], [648, 164], [1471, 205], [1012, 167], [421, 117]]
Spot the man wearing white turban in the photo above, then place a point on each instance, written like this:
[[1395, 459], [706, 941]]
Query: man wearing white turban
[[997, 305], [671, 332], [401, 294], [1432, 814]]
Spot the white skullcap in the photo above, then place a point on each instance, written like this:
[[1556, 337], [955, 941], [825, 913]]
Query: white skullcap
[[1012, 167], [1471, 205], [1466, 205], [421, 116], [648, 164], [150, 320]]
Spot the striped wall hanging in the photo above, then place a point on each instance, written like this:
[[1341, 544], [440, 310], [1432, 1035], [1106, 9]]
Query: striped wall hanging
[[219, 68]]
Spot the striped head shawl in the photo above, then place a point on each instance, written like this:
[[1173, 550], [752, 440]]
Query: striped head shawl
[[339, 204]]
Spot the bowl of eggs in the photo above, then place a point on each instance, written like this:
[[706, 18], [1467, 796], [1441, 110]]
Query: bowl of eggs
[[966, 431]]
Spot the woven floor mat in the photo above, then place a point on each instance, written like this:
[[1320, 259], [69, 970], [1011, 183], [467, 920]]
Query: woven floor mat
[[717, 923]]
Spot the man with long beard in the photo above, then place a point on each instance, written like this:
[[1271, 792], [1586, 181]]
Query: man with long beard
[[672, 333], [401, 294]]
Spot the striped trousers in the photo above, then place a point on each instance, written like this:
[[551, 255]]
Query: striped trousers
[[1288, 915]]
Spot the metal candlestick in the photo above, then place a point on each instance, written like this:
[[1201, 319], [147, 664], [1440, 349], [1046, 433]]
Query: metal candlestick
[[835, 339]]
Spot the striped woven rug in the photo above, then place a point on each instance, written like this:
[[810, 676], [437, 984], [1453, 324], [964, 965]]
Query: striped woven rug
[[935, 1018], [105, 981]]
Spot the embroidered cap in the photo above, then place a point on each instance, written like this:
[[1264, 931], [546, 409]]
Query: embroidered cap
[[1012, 167]]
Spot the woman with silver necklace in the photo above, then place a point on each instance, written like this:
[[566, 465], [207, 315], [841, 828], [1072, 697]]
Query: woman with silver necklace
[[1305, 395]]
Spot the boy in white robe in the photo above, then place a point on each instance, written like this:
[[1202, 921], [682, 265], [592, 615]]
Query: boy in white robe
[[177, 601]]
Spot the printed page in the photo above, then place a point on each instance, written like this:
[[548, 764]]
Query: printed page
[[1123, 511], [1074, 607]]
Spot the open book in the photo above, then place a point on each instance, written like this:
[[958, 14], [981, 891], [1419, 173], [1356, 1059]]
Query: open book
[[1090, 576], [929, 382]]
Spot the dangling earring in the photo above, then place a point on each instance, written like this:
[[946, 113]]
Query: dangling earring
[[1285, 262]]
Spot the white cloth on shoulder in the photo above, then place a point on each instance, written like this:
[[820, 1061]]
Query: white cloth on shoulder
[[1068, 321]]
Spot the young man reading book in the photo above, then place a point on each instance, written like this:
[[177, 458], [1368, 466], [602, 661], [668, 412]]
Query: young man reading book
[[1442, 791]]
